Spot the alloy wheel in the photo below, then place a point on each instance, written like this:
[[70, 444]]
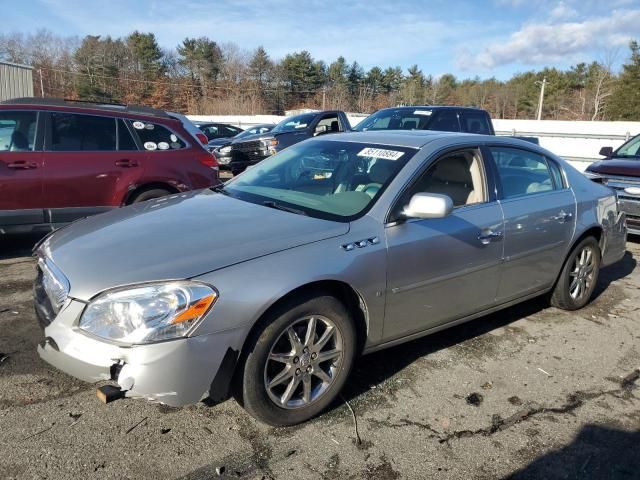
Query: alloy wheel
[[303, 362], [582, 273]]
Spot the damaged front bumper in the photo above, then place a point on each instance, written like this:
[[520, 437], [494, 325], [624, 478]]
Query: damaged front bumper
[[175, 372]]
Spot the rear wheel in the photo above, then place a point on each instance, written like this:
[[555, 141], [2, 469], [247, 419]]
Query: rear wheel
[[578, 277], [149, 194], [298, 362]]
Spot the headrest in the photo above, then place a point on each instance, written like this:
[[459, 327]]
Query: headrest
[[410, 125], [452, 169], [335, 126], [380, 171]]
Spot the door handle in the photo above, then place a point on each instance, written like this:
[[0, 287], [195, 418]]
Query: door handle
[[487, 238], [22, 165], [126, 163], [562, 216]]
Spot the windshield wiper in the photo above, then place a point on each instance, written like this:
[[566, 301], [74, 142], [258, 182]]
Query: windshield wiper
[[279, 206], [219, 189]]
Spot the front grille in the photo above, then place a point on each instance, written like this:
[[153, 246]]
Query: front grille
[[51, 289], [248, 151], [629, 204], [44, 309]]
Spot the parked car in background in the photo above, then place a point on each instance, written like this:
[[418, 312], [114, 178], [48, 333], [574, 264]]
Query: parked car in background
[[63, 160], [336, 246], [223, 150], [190, 127], [221, 142], [620, 170], [441, 118], [250, 150], [214, 131]]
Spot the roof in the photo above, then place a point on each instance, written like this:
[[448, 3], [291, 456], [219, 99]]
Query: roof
[[18, 65], [108, 107], [400, 138], [419, 138], [434, 107]]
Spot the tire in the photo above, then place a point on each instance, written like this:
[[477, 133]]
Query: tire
[[579, 276], [148, 195], [315, 382]]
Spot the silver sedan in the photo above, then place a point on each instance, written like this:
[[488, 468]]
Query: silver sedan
[[268, 288]]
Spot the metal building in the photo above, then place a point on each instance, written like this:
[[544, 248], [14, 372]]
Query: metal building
[[15, 81]]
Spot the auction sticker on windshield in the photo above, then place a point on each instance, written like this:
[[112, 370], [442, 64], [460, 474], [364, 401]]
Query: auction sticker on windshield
[[380, 153], [422, 112]]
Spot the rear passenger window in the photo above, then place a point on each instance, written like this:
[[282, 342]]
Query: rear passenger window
[[17, 131], [521, 172], [445, 121], [125, 140], [156, 137], [75, 133], [475, 122], [556, 174]]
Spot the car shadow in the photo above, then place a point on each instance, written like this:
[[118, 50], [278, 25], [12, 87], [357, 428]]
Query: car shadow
[[597, 452], [18, 245], [373, 369]]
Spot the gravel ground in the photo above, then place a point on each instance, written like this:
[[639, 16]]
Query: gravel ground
[[530, 392]]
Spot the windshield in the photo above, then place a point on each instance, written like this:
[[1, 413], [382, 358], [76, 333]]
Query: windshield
[[253, 131], [321, 178], [396, 119], [297, 122], [630, 149]]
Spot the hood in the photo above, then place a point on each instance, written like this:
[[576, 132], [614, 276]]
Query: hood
[[628, 167], [252, 138], [175, 238], [218, 142]]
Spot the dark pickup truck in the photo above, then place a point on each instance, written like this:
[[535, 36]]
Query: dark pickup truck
[[248, 151], [620, 170]]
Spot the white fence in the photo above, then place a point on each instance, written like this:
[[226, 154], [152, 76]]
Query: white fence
[[577, 141]]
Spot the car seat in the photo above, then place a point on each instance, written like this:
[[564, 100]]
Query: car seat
[[378, 174], [19, 141]]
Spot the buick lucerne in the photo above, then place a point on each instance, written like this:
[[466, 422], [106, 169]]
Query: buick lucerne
[[335, 247]]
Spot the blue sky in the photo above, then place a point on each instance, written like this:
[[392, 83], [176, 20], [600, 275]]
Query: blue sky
[[464, 37]]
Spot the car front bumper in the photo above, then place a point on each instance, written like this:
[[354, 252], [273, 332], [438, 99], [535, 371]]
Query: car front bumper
[[175, 372]]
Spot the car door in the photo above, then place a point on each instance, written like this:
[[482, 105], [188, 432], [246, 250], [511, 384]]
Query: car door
[[85, 173], [21, 170], [539, 212], [442, 269]]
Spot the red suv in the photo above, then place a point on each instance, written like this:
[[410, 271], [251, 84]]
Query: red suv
[[62, 160]]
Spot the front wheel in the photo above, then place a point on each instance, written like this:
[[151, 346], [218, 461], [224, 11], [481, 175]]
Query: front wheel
[[578, 277], [299, 361]]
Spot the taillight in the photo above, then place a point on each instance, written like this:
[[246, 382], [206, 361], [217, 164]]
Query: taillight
[[208, 160], [203, 138]]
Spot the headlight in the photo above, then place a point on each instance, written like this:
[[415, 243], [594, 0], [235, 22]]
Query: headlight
[[148, 313], [592, 175], [226, 149]]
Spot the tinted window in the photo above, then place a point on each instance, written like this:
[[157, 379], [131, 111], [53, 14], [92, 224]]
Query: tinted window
[[521, 172], [397, 119], [74, 133], [156, 137], [445, 121], [17, 131], [229, 131], [125, 140], [475, 122]]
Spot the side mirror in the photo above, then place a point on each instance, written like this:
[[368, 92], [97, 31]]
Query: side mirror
[[428, 205], [606, 151], [320, 129]]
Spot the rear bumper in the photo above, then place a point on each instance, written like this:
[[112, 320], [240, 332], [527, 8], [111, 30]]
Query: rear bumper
[[177, 372]]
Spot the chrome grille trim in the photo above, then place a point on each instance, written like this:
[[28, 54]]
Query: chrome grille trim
[[54, 284]]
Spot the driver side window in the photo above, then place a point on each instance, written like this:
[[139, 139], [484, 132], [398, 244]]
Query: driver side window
[[459, 175]]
